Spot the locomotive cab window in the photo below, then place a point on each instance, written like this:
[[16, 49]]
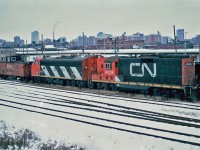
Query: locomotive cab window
[[116, 64], [36, 62], [108, 66]]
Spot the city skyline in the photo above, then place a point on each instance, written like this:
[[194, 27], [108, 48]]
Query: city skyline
[[69, 18]]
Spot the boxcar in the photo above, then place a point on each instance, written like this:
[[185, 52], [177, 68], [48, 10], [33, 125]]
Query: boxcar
[[3, 70], [14, 70]]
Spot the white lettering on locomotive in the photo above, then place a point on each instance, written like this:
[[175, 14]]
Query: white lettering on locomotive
[[109, 72], [143, 66]]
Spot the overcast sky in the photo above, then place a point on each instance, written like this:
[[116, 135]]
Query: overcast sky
[[69, 18]]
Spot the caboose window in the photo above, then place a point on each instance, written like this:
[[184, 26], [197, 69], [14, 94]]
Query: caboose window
[[107, 65]]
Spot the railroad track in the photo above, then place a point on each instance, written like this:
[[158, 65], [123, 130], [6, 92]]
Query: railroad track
[[111, 127], [114, 116], [116, 110], [119, 97]]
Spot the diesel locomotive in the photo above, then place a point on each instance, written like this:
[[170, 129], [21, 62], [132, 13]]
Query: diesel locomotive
[[167, 76]]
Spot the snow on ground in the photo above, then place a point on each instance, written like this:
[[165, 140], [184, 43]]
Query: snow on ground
[[134, 103], [89, 136], [24, 139]]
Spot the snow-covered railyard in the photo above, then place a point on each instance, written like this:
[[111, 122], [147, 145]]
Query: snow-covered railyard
[[99, 122]]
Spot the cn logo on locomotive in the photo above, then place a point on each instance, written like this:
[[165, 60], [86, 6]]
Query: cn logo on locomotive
[[143, 66]]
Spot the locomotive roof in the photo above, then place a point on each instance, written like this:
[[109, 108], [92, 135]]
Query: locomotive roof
[[157, 57], [174, 56], [111, 59], [66, 58]]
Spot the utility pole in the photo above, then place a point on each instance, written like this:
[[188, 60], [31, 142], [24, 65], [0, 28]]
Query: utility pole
[[55, 42], [175, 39], [105, 37], [42, 45], [185, 43], [26, 47], [83, 41], [53, 37], [115, 46], [199, 48], [23, 48]]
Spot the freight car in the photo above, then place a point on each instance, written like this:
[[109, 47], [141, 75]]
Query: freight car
[[168, 76], [14, 68]]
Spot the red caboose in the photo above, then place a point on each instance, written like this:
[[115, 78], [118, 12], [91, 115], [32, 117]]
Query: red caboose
[[14, 70], [3, 70]]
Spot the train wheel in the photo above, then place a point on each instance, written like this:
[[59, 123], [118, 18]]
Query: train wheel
[[68, 83], [99, 86], [113, 87], [91, 85], [80, 84], [73, 83]]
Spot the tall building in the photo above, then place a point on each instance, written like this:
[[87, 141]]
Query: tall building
[[153, 39], [135, 37], [80, 41], [91, 41], [35, 37], [165, 40], [17, 40], [180, 34]]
